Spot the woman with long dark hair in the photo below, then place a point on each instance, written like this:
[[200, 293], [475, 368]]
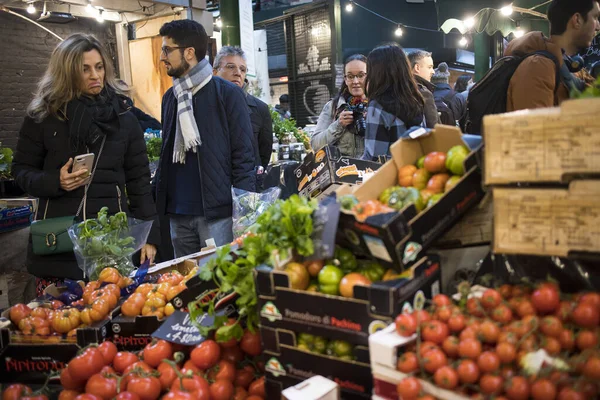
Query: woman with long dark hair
[[336, 125], [79, 108], [462, 83], [395, 103]]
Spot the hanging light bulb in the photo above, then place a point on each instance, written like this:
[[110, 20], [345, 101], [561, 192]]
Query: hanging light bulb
[[398, 31], [89, 8], [463, 42], [219, 23], [100, 18], [519, 32], [507, 10], [349, 7], [469, 22], [31, 8]]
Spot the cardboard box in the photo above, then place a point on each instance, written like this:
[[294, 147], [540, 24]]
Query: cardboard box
[[552, 222], [473, 229], [274, 388], [384, 348], [336, 317], [543, 145], [283, 358], [398, 239], [321, 173], [315, 388]]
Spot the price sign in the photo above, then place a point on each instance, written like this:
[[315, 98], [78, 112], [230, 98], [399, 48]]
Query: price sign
[[178, 328]]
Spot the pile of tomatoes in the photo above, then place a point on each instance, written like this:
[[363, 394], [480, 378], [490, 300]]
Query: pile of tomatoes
[[212, 371], [154, 299], [485, 347]]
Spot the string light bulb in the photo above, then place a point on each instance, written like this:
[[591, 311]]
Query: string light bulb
[[100, 18], [507, 10], [398, 31], [469, 22], [31, 8], [463, 42], [519, 32], [349, 7], [219, 23], [89, 8]]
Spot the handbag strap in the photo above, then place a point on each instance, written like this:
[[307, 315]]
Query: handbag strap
[[83, 200]]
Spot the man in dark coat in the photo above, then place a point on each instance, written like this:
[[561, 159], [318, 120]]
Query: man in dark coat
[[230, 64], [208, 144], [421, 63], [451, 106]]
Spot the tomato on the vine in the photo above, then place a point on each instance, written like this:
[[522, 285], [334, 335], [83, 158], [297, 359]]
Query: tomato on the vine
[[409, 388], [195, 384], [147, 388], [586, 316], [257, 387], [490, 299], [525, 308], [488, 362], [505, 291], [67, 381], [469, 348], [124, 359], [434, 331], [223, 370], [101, 386], [440, 300], [517, 388], [568, 393], [178, 395], [586, 339], [450, 346], [434, 360], [491, 384], [446, 378], [168, 375], [502, 314], [468, 371], [406, 325], [82, 367], [108, 351], [591, 369], [244, 377], [474, 307], [232, 354], [221, 389], [206, 354], [457, 323], [407, 362], [67, 394], [421, 316], [16, 391], [18, 312], [156, 351], [506, 352], [489, 332], [427, 347], [250, 343], [546, 299]]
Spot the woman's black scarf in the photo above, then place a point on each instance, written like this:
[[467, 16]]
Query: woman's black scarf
[[91, 118]]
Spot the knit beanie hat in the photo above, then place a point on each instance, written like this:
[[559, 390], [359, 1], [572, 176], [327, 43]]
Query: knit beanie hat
[[441, 74]]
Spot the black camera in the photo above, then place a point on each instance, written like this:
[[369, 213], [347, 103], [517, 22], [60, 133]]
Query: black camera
[[358, 113]]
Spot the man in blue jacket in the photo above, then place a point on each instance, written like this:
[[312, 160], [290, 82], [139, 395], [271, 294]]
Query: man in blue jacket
[[208, 144]]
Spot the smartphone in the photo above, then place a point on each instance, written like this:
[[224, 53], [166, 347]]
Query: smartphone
[[84, 161]]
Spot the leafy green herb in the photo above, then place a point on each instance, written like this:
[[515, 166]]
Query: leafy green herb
[[153, 147], [6, 157], [590, 92]]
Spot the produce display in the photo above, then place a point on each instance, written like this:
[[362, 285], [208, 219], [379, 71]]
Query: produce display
[[210, 372], [320, 345], [422, 184], [79, 308], [153, 299], [521, 342]]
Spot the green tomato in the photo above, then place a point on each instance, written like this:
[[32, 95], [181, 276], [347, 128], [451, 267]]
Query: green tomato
[[329, 289], [455, 159], [347, 358], [397, 197], [320, 345], [384, 197], [306, 339], [304, 347], [373, 271], [346, 259], [348, 201], [341, 348], [421, 162], [412, 196], [434, 199]]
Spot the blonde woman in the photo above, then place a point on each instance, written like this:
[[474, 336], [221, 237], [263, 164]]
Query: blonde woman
[[78, 108]]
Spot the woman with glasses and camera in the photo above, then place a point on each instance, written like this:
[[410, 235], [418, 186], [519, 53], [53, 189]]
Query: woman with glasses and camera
[[395, 102], [342, 122], [80, 149]]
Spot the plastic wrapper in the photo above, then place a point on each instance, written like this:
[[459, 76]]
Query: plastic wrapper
[[108, 241], [247, 206], [573, 275]]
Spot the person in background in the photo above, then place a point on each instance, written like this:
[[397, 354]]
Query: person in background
[[395, 102], [461, 87], [146, 120], [573, 25], [208, 143], [422, 66], [230, 64], [336, 123], [78, 108], [452, 108], [283, 108]]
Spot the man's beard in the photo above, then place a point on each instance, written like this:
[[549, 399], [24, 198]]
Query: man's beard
[[180, 71]]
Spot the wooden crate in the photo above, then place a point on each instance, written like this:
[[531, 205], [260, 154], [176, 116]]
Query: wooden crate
[[553, 222], [543, 145], [474, 228]]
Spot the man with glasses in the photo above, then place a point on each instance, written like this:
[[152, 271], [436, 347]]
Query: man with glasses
[[208, 144], [421, 63], [230, 64]]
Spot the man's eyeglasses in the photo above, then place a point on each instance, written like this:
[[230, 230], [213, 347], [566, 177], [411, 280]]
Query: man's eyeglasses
[[232, 68], [166, 50], [351, 77]]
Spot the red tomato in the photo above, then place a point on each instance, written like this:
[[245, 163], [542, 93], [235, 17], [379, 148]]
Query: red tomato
[[441, 300], [108, 351], [491, 384], [196, 385], [434, 331], [231, 342], [450, 346], [469, 348], [124, 359], [35, 397], [517, 388], [85, 365], [434, 360], [242, 394], [407, 362], [543, 389], [551, 326], [147, 388], [19, 312], [586, 315], [127, 396], [244, 377], [409, 388], [232, 354], [250, 343], [426, 347], [568, 393], [154, 353], [68, 394], [591, 368], [189, 366], [67, 381], [502, 314], [468, 371], [254, 397], [178, 395], [15, 391], [206, 354], [505, 291], [546, 299], [221, 390], [474, 307], [489, 332], [506, 352], [136, 368], [591, 298], [564, 311], [257, 387], [421, 316], [490, 299], [566, 339], [586, 340], [87, 396], [167, 375], [457, 323], [406, 325], [223, 370], [488, 362], [105, 388], [443, 313], [446, 378], [525, 308]]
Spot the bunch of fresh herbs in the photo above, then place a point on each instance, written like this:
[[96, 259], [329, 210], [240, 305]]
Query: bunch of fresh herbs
[[6, 157], [153, 147]]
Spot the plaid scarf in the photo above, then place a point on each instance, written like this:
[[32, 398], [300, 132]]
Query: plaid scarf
[[187, 136]]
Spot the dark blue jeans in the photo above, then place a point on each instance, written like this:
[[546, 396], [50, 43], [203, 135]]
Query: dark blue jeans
[[189, 233]]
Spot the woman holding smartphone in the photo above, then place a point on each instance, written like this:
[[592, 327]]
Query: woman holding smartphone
[[78, 109]]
